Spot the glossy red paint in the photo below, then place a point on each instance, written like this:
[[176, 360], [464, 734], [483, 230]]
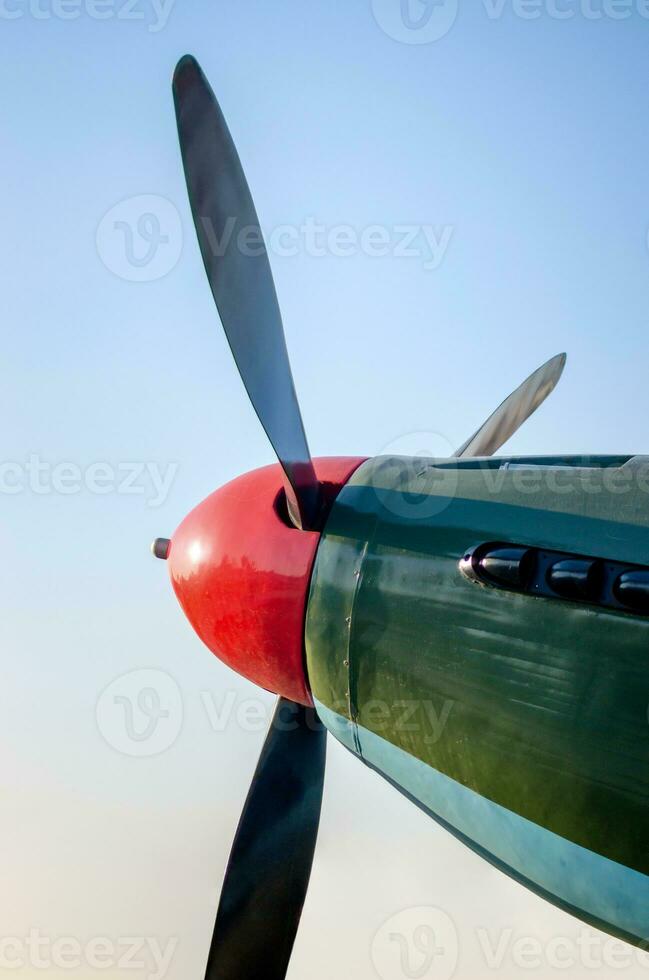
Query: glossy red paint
[[242, 575]]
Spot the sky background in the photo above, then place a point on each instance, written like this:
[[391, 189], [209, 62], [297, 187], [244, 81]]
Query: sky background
[[523, 141]]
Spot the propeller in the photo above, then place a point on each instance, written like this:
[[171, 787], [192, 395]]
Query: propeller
[[515, 410], [240, 277], [270, 863]]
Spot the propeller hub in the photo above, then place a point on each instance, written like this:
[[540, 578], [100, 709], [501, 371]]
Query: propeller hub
[[241, 572]]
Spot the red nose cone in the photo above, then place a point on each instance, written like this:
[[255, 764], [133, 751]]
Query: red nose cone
[[242, 576]]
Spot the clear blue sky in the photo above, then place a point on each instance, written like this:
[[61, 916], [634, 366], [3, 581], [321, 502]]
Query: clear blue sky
[[526, 139]]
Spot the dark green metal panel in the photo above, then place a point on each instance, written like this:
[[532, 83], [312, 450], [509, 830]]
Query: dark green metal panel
[[538, 705]]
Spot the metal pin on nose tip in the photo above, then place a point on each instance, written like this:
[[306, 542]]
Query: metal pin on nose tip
[[160, 548]]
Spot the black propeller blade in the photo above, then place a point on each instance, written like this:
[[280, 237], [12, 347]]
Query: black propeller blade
[[515, 410], [240, 277], [270, 863]]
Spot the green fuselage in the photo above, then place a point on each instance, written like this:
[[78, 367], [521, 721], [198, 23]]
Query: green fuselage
[[519, 722]]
